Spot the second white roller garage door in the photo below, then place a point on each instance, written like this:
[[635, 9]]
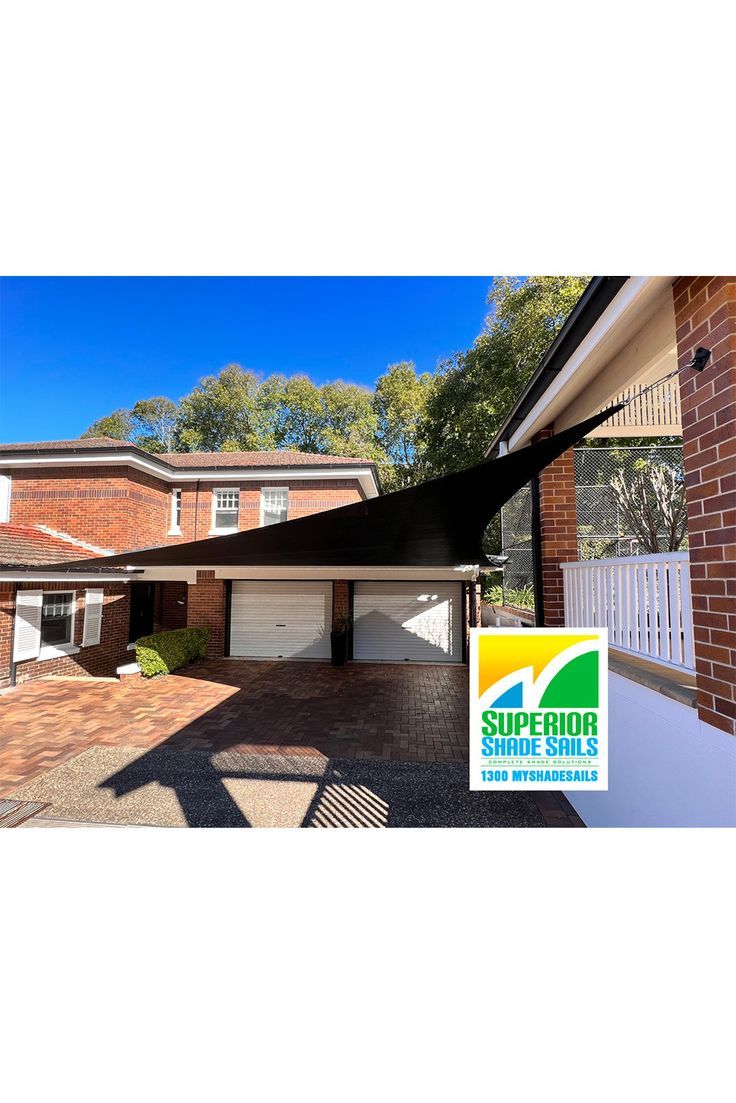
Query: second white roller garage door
[[281, 620], [398, 621]]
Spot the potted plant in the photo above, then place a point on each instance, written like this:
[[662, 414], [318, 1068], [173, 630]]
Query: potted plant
[[339, 638]]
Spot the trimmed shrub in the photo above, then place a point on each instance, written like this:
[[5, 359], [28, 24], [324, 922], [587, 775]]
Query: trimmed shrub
[[167, 651]]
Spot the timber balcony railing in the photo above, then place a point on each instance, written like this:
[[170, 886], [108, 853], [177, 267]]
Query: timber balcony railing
[[644, 601]]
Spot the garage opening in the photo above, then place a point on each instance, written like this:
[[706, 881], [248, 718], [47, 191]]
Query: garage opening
[[408, 621], [281, 620]]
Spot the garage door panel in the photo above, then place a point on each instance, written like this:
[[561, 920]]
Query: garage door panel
[[399, 621], [281, 620]]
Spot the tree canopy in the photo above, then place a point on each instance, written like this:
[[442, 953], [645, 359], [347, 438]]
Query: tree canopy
[[412, 425]]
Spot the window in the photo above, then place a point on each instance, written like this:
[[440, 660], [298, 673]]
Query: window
[[225, 504], [57, 620], [175, 521], [274, 504], [5, 497]]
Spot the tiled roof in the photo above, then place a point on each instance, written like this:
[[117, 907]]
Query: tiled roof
[[258, 459], [23, 546], [195, 459], [61, 445]]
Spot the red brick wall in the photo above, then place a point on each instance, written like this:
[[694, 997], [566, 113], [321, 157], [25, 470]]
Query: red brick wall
[[100, 660], [705, 314], [305, 497], [340, 599], [558, 516], [206, 608], [173, 609], [115, 508], [119, 508], [7, 608]]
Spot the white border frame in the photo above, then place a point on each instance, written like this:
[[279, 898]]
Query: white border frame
[[174, 529], [260, 507], [214, 531], [57, 651]]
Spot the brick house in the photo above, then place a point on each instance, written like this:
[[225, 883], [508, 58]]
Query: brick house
[[65, 500], [671, 617]]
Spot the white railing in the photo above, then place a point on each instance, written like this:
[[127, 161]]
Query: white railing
[[658, 409], [644, 601]]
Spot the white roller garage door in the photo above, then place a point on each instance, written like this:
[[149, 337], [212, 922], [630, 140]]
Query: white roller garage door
[[288, 620], [420, 621]]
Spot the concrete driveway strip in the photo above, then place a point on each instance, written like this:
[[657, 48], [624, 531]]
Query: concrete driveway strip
[[168, 788]]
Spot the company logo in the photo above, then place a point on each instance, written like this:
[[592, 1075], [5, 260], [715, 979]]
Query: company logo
[[538, 708]]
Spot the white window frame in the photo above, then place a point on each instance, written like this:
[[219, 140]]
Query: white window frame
[[6, 489], [264, 489], [174, 528], [56, 650], [214, 531]]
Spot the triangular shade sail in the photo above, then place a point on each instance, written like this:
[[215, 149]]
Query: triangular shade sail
[[439, 523]]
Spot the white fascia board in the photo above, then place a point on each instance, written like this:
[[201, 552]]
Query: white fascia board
[[167, 574], [634, 298], [64, 576], [373, 574], [178, 475]]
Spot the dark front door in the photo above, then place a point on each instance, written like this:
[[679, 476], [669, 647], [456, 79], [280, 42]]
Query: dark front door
[[141, 610]]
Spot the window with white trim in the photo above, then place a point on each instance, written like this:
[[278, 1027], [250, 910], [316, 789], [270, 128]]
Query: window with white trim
[[274, 504], [57, 620], [225, 506], [175, 519]]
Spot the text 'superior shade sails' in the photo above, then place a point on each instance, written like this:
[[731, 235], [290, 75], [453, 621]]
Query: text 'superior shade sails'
[[438, 523]]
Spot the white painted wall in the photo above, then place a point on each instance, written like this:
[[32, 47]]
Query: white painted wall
[[666, 767]]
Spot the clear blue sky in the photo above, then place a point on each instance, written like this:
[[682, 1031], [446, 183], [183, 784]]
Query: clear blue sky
[[74, 349]]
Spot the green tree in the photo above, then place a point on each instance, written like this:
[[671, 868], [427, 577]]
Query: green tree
[[474, 390], [118, 425], [153, 423], [220, 414], [399, 402], [349, 420]]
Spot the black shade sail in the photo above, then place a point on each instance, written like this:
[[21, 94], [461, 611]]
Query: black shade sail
[[437, 524]]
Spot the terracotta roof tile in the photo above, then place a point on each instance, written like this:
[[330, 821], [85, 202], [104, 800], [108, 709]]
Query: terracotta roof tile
[[23, 546], [258, 459], [196, 459]]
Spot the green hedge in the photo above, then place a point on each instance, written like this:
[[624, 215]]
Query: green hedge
[[167, 651]]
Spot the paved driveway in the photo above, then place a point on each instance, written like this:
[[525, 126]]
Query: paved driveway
[[252, 722]]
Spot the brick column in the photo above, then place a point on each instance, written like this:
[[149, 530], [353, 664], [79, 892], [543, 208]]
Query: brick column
[[705, 314], [558, 530], [7, 624], [340, 599], [206, 608]]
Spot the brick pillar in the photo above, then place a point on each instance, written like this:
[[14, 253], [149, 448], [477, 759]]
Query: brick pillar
[[206, 608], [558, 530], [7, 625], [705, 314], [340, 599]]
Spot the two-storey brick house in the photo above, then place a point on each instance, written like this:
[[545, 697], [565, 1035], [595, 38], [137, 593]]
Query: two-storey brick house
[[100, 496]]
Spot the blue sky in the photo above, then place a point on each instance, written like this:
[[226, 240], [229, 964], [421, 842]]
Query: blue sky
[[74, 349]]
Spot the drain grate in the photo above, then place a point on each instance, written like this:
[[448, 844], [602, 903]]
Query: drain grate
[[15, 812]]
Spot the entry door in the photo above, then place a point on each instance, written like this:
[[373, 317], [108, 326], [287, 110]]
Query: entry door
[[408, 621], [281, 620], [142, 596]]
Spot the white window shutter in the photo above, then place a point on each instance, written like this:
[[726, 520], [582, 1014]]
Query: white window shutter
[[28, 607], [93, 600], [4, 497]]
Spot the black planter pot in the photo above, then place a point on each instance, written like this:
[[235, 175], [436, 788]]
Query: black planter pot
[[339, 648]]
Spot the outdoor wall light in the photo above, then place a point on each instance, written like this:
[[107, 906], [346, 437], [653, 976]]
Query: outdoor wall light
[[700, 359]]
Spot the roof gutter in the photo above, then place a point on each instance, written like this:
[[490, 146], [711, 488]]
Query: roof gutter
[[597, 297]]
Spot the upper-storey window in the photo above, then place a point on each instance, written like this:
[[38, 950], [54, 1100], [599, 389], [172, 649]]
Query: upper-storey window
[[274, 504], [225, 505], [175, 518]]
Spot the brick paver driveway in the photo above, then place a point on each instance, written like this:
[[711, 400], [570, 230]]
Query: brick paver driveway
[[374, 712], [386, 711]]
